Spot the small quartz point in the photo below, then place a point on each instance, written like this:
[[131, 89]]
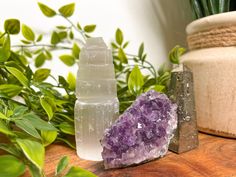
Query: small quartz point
[[97, 106], [142, 133]]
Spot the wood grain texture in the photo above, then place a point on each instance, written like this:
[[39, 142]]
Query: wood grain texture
[[215, 157]]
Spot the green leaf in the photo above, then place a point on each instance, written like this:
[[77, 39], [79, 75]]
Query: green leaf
[[40, 37], [28, 53], [67, 10], [87, 36], [46, 103], [14, 64], [10, 90], [119, 36], [26, 42], [40, 60], [5, 50], [164, 79], [62, 35], [41, 74], [71, 81], [67, 59], [125, 44], [28, 73], [71, 35], [20, 110], [48, 137], [34, 171], [10, 148], [213, 6], [122, 56], [226, 5], [28, 33], [55, 38], [79, 172], [135, 81], [48, 54], [78, 26], [25, 125], [37, 51], [47, 11], [165, 67], [67, 128], [4, 129], [89, 28], [63, 82], [2, 38], [196, 7], [63, 163], [11, 166], [66, 141], [114, 45], [221, 6], [2, 116], [33, 150], [175, 54], [19, 75], [38, 123], [144, 57], [205, 7], [157, 88], [140, 51], [122, 91], [23, 60], [12, 26], [75, 51], [61, 27]]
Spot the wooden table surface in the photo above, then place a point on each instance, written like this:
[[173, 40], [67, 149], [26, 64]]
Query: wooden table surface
[[215, 157]]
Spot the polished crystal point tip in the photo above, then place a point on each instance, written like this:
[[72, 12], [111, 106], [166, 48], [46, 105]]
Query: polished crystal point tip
[[96, 42]]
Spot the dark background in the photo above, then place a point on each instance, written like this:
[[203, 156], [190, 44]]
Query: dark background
[[233, 5]]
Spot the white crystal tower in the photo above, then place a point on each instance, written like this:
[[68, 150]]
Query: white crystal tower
[[97, 106]]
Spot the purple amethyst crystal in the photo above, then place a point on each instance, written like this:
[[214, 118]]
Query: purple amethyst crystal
[[141, 133]]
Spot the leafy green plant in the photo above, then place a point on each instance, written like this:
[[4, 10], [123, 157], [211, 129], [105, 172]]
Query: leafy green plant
[[203, 8], [35, 113], [73, 171]]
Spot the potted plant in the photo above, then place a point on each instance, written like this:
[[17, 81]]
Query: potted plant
[[212, 58]]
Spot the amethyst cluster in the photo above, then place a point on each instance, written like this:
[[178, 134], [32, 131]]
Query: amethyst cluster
[[141, 133]]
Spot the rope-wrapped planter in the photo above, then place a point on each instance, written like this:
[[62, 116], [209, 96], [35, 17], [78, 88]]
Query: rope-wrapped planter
[[223, 36], [212, 59]]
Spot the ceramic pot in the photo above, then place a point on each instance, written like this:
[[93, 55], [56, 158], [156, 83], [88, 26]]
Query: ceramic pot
[[212, 59]]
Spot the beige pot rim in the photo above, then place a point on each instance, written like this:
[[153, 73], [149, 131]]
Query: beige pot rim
[[228, 18]]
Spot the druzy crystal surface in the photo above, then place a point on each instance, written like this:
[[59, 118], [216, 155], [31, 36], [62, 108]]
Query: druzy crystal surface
[[142, 133]]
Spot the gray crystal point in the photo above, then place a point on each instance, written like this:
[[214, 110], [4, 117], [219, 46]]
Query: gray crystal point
[[142, 133], [181, 92]]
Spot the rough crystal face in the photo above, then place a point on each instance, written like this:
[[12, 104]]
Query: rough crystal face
[[141, 133]]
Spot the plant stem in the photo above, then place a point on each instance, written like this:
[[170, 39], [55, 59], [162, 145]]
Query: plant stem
[[43, 45], [73, 25], [154, 73], [143, 67], [150, 65], [154, 70], [3, 34], [54, 78]]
